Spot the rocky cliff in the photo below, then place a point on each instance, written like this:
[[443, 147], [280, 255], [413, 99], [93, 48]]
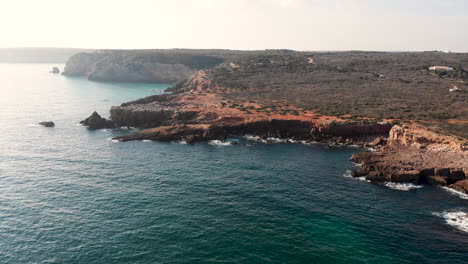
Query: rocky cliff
[[139, 67], [415, 154]]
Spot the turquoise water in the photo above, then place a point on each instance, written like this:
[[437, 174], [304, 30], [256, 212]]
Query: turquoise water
[[69, 195]]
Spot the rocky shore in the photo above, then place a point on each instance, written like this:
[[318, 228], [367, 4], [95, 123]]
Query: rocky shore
[[339, 99], [416, 155]]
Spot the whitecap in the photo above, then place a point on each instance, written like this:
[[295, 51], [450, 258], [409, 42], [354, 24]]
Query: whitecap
[[457, 219], [457, 193], [220, 143], [402, 186], [147, 140]]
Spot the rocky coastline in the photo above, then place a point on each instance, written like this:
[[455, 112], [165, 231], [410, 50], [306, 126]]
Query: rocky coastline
[[252, 95]]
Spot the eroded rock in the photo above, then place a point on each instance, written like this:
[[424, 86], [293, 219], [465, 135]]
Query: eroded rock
[[95, 121], [47, 123]]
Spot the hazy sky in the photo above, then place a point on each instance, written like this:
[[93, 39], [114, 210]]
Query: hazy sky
[[237, 24]]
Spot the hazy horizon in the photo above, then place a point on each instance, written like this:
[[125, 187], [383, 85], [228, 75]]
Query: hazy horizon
[[306, 25]]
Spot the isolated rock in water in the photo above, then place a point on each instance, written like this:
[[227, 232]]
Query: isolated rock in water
[[95, 121], [47, 123], [55, 70]]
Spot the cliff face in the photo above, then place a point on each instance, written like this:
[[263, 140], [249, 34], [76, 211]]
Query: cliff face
[[82, 64], [201, 107], [415, 154], [128, 66]]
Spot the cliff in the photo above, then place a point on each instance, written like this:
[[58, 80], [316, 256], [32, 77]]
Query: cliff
[[415, 154], [163, 66]]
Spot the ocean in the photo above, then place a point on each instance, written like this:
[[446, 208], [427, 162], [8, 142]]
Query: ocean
[[71, 195]]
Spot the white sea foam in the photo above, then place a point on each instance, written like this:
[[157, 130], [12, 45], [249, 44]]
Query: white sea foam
[[252, 138], [219, 143], [113, 140], [348, 175], [402, 186], [457, 219], [181, 142], [276, 140], [147, 140], [457, 193]]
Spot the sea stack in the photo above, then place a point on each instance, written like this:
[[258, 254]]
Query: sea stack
[[95, 121], [55, 70]]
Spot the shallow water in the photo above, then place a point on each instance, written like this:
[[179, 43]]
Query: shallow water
[[70, 195]]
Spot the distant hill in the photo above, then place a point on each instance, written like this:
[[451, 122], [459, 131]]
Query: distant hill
[[37, 55]]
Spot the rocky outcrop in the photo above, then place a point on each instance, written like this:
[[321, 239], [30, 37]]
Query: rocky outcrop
[[95, 121], [461, 186], [55, 70], [415, 154], [47, 123]]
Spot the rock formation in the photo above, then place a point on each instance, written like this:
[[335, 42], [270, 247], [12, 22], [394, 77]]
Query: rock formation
[[47, 123], [95, 121], [55, 70], [415, 154]]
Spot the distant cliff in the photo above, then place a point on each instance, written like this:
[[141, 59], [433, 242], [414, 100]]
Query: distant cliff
[[151, 66]]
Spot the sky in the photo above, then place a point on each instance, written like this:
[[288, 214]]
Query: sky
[[387, 25]]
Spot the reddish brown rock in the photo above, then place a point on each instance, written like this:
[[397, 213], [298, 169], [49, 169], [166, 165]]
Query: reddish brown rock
[[444, 172], [436, 181], [461, 186]]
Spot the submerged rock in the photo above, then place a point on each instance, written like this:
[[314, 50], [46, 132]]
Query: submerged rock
[[55, 70], [95, 121], [47, 123]]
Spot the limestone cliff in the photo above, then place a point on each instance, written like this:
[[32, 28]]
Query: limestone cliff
[[138, 67]]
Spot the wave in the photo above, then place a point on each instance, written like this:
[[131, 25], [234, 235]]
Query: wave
[[113, 140], [274, 140], [220, 143], [147, 140], [456, 193], [252, 138], [348, 175], [457, 219], [402, 186]]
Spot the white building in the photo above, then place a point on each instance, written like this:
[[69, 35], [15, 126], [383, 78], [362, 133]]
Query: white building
[[440, 68]]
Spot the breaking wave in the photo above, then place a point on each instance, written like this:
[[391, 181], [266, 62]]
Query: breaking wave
[[113, 140], [402, 186], [457, 219], [348, 175], [457, 193], [220, 143]]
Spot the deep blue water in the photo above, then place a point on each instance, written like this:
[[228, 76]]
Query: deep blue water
[[70, 195]]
